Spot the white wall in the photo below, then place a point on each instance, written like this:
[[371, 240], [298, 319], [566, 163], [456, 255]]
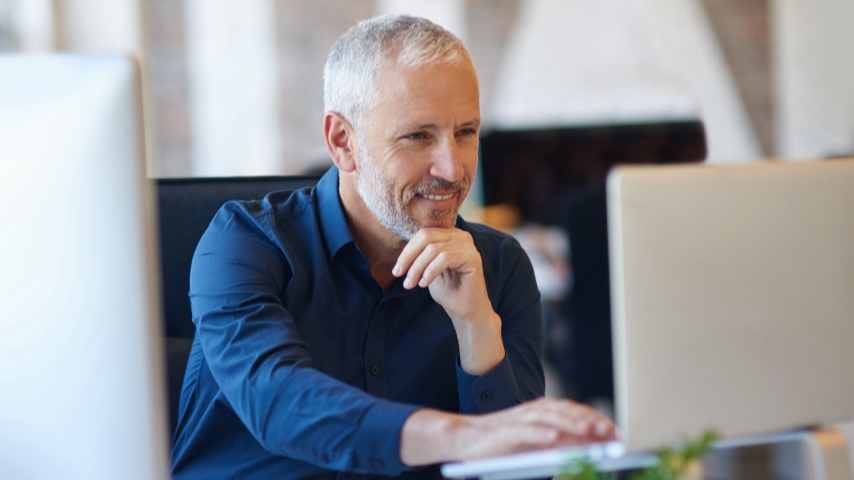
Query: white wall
[[584, 62], [813, 65], [450, 14], [87, 25], [232, 70], [35, 25]]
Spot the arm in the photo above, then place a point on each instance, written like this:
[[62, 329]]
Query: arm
[[262, 366], [447, 262], [503, 291]]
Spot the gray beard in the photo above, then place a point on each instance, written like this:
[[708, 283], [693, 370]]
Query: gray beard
[[378, 195], [371, 188]]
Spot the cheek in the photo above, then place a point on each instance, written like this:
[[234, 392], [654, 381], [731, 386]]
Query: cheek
[[470, 165]]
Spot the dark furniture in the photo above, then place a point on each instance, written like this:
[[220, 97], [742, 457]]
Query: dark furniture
[[556, 176], [186, 207]]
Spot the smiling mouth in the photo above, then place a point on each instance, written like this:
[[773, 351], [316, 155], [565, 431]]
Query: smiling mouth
[[437, 197]]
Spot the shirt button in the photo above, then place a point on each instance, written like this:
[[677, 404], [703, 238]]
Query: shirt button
[[324, 459], [485, 395], [375, 370], [379, 464]]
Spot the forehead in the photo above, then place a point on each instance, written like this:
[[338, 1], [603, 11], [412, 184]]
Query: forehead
[[413, 94]]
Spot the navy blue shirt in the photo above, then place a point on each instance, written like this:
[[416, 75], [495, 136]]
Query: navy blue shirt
[[302, 367]]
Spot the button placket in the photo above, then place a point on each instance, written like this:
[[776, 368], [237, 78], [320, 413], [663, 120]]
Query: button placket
[[375, 351]]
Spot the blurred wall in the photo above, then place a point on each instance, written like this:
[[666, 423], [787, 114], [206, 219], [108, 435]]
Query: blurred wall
[[588, 62], [814, 67], [235, 87], [232, 79]]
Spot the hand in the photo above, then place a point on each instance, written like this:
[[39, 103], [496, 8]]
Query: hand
[[430, 436], [446, 261]]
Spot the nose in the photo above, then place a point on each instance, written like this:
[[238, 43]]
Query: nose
[[448, 161]]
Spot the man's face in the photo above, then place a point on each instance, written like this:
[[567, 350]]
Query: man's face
[[419, 152]]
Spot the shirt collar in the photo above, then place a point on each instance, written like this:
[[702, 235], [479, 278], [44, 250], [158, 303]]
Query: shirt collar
[[336, 232]]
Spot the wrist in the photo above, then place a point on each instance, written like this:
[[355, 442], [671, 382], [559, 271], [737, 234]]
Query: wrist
[[481, 345], [431, 436]]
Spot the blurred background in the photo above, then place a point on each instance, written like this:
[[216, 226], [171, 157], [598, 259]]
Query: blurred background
[[234, 87], [568, 89]]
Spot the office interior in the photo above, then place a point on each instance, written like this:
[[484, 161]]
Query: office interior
[[569, 88]]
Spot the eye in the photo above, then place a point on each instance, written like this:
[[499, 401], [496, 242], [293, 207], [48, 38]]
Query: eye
[[416, 136], [467, 132]]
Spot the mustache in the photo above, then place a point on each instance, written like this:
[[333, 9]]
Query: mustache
[[434, 184]]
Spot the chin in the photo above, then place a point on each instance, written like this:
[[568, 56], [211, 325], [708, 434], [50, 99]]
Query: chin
[[446, 221]]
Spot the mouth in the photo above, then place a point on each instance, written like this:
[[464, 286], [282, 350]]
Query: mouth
[[438, 198]]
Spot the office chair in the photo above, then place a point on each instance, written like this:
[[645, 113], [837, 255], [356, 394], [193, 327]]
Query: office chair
[[186, 207]]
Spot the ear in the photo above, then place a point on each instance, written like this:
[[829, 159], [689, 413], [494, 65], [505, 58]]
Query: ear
[[341, 141]]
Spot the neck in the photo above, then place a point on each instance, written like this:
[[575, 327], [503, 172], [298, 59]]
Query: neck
[[380, 246]]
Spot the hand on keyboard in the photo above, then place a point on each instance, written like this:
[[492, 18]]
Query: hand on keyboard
[[430, 436]]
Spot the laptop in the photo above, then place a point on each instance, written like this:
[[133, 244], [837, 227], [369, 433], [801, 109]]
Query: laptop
[[732, 307]]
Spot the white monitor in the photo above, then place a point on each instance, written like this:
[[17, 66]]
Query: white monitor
[[732, 292], [81, 375], [732, 298]]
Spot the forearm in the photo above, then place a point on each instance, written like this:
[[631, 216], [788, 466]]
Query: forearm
[[480, 342]]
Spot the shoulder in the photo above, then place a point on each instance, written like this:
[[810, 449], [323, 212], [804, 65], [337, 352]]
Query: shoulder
[[279, 211], [282, 205], [257, 237]]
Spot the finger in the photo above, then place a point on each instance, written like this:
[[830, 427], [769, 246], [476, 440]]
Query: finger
[[512, 439], [438, 265], [569, 417], [431, 256], [534, 436], [461, 261], [413, 249], [571, 424], [438, 258], [599, 426]]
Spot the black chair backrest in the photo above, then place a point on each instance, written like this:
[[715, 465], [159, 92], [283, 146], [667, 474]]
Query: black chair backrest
[[186, 207]]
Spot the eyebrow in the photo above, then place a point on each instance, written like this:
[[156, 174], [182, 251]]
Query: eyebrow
[[427, 126]]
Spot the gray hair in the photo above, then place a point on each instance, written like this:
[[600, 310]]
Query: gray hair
[[351, 71]]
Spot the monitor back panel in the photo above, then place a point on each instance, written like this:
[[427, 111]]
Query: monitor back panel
[[81, 375], [733, 298]]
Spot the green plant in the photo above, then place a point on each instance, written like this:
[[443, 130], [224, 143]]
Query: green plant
[[671, 463]]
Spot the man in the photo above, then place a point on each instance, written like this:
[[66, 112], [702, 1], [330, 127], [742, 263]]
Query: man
[[358, 327]]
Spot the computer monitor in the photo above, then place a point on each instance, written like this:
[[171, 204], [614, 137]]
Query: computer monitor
[[81, 374], [732, 301], [733, 298]]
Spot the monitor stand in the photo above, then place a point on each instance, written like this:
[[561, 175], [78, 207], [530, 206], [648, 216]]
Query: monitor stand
[[827, 449]]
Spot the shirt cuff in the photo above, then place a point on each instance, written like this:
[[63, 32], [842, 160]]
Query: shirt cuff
[[381, 427], [494, 390]]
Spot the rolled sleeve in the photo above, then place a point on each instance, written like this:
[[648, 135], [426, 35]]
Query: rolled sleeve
[[494, 390]]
